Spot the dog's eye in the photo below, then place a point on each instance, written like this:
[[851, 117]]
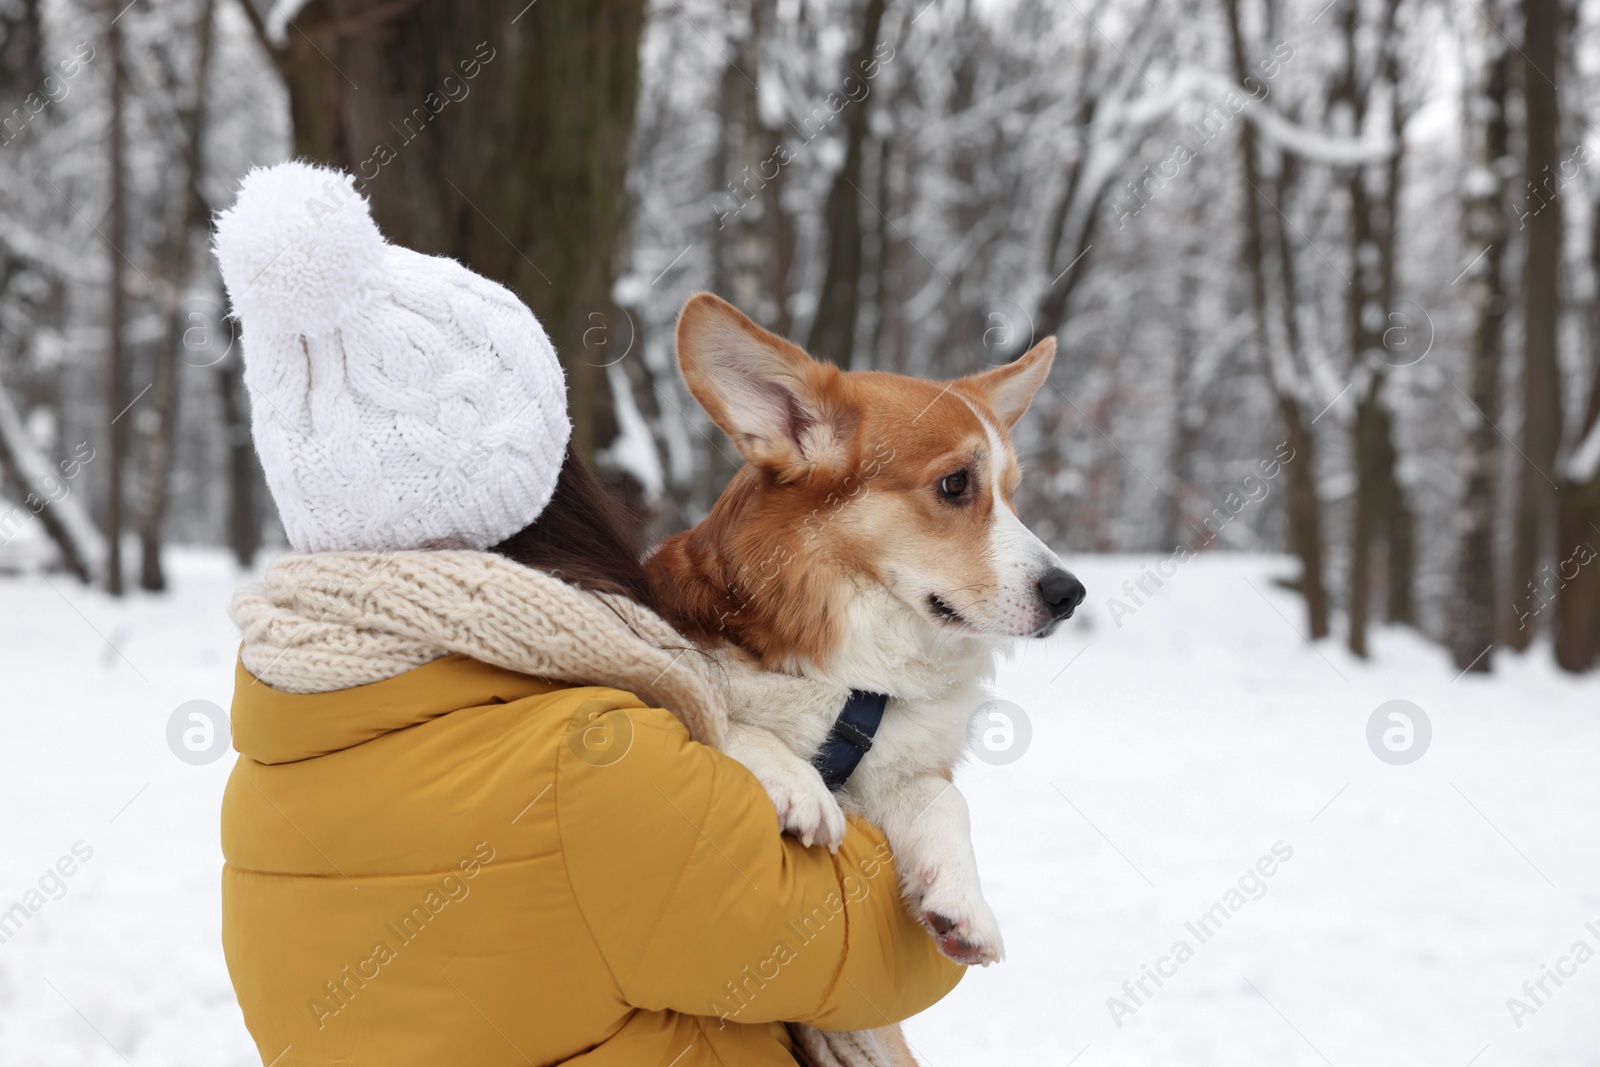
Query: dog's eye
[[953, 486]]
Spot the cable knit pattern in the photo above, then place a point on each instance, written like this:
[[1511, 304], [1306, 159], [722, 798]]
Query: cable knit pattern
[[336, 620], [397, 399], [340, 619]]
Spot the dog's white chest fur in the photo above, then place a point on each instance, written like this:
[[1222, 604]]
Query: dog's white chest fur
[[934, 683], [935, 680]]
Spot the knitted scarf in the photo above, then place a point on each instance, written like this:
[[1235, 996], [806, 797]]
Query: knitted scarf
[[335, 620]]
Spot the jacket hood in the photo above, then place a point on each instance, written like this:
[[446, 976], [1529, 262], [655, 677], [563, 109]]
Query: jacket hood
[[271, 726]]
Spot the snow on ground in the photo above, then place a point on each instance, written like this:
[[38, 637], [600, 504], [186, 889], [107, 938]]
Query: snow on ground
[[1169, 756]]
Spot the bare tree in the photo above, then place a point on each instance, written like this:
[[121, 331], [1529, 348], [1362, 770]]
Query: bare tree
[[521, 116], [1577, 597], [1118, 108], [21, 49], [755, 242], [1577, 608], [833, 329], [117, 305], [1185, 426], [1541, 304], [191, 216], [1381, 514], [1472, 610], [1285, 372], [244, 477]]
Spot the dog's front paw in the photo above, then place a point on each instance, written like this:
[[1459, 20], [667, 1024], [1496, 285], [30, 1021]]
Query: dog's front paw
[[960, 920], [805, 807]]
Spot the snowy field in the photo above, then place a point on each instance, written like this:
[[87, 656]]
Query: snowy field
[[1173, 759]]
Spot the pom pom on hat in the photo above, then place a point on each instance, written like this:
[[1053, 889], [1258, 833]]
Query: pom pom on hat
[[398, 400], [299, 249]]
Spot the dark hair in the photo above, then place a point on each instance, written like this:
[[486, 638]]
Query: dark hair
[[585, 537]]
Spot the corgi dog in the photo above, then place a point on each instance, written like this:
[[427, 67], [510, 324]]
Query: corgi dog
[[869, 541]]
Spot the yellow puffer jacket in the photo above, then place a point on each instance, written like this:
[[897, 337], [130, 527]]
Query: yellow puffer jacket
[[463, 865]]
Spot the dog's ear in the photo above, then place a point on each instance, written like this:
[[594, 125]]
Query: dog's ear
[[766, 394], [1009, 390]]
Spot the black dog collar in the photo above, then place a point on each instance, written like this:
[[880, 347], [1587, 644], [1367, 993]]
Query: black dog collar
[[851, 737]]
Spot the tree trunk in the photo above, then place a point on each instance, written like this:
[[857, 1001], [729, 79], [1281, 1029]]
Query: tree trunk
[[748, 199], [1067, 253], [1182, 442], [833, 331], [733, 195], [1541, 303], [875, 358], [1305, 509], [21, 57], [1305, 515], [496, 132], [177, 258], [1577, 610], [117, 311], [1353, 91], [1382, 521], [1399, 526], [1364, 522], [760, 237], [244, 470], [1380, 518], [1472, 614], [1400, 532]]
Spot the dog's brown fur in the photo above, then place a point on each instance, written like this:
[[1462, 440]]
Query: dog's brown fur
[[771, 568]]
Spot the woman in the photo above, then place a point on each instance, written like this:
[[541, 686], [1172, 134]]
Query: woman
[[463, 827]]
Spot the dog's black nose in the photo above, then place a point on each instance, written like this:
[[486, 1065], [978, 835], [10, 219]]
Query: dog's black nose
[[1062, 593]]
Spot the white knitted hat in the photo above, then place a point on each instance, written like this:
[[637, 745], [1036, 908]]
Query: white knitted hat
[[397, 400]]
